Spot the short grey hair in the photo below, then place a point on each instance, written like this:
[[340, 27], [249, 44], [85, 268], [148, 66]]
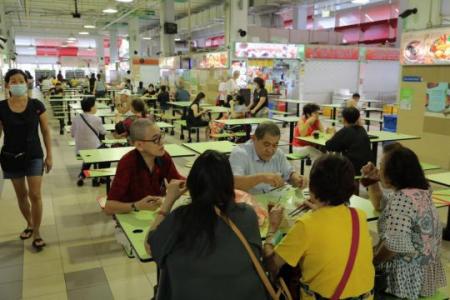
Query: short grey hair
[[267, 127], [138, 129]]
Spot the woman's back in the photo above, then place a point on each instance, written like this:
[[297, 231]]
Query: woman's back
[[409, 225], [226, 273], [319, 242]]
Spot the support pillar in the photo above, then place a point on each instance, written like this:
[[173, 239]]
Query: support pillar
[[236, 18], [167, 15]]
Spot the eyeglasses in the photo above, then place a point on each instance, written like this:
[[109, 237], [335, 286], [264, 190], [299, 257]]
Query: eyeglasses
[[156, 140]]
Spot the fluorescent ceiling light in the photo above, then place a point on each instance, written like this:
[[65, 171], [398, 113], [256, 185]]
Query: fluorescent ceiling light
[[71, 38], [71, 41], [360, 1], [125, 1], [88, 26], [83, 33], [110, 10], [147, 38], [177, 39]]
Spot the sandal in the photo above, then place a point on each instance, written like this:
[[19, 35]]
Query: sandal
[[38, 244], [26, 234]]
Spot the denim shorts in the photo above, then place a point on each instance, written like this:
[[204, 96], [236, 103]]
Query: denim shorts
[[35, 168]]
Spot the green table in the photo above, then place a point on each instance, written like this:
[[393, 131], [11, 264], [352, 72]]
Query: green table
[[218, 109], [77, 106], [428, 167], [291, 120], [105, 141], [294, 101], [135, 226], [381, 136], [115, 154], [220, 146], [185, 105], [112, 127], [442, 179]]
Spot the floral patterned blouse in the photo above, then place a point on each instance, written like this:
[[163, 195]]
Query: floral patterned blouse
[[409, 226]]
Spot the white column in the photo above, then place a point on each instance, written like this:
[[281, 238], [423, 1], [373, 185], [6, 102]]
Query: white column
[[100, 51], [133, 37], [167, 11], [236, 18], [300, 17], [402, 6], [113, 51]]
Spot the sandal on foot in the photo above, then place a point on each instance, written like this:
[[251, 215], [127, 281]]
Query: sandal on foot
[[38, 244], [26, 234]]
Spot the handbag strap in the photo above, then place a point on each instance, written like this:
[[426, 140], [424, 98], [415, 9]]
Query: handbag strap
[[352, 257], [255, 261], [89, 125]]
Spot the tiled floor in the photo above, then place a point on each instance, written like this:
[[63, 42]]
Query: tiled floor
[[82, 259]]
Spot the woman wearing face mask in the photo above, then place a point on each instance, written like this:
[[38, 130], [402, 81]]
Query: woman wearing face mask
[[21, 157]]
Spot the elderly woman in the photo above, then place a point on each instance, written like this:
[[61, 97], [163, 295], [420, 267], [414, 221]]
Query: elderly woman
[[407, 256], [319, 241]]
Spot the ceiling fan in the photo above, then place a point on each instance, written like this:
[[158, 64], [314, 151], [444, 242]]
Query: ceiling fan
[[75, 14]]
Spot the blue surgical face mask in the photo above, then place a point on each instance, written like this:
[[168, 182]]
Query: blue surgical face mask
[[18, 89]]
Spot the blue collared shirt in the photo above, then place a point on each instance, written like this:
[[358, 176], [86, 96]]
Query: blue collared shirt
[[244, 161]]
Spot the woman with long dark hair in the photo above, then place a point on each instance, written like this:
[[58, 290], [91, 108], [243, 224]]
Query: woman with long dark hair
[[22, 158], [200, 257], [195, 113]]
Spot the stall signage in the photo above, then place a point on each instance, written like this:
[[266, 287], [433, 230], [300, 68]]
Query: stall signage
[[324, 52], [268, 51], [215, 60], [268, 63], [431, 47], [172, 62], [382, 54]]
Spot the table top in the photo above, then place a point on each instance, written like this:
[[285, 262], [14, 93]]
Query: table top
[[246, 121], [218, 109], [369, 100], [428, 167], [383, 136], [372, 109], [288, 119], [440, 178], [441, 198], [105, 141], [331, 105], [290, 101], [95, 173], [65, 99], [98, 105], [220, 146], [115, 154], [187, 104], [136, 224]]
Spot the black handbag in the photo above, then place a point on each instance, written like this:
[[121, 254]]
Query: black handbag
[[12, 162]]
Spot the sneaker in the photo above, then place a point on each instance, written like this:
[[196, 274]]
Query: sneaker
[[80, 182]]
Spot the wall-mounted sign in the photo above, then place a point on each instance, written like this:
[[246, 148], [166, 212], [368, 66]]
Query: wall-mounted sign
[[267, 50], [412, 79], [172, 62], [329, 52], [382, 54], [215, 60], [268, 63], [430, 47]]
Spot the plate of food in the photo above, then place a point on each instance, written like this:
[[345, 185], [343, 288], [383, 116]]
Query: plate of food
[[440, 49], [413, 51]]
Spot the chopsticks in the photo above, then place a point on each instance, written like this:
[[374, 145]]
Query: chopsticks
[[276, 188], [298, 210]]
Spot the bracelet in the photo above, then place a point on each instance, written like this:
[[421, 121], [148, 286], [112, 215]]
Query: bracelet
[[162, 213]]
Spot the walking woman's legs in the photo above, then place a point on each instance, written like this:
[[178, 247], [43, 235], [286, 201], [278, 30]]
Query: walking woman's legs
[[34, 192], [22, 197]]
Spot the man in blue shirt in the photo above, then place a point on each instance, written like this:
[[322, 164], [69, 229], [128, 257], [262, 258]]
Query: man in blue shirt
[[259, 166], [182, 94]]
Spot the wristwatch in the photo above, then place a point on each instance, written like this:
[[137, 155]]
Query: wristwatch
[[133, 207]]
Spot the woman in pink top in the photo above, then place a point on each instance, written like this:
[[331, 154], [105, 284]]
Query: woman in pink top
[[307, 124]]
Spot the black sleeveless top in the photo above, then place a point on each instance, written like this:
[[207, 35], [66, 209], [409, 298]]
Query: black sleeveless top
[[22, 129]]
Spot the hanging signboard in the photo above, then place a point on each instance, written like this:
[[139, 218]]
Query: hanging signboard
[[215, 60], [172, 62], [268, 51], [330, 52], [382, 54]]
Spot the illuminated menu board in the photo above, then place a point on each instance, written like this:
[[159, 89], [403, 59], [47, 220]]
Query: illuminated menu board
[[172, 62], [431, 47], [267, 50], [215, 60]]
